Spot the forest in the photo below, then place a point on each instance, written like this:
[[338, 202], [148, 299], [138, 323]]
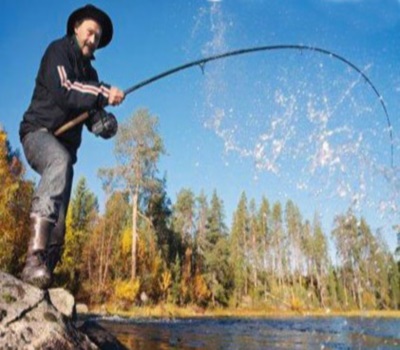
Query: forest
[[145, 249]]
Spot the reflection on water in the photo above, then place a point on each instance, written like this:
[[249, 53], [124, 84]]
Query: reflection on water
[[257, 333]]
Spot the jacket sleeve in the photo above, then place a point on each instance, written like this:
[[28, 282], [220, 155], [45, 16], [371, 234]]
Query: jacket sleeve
[[62, 83]]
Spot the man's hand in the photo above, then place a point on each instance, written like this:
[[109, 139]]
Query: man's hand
[[116, 96]]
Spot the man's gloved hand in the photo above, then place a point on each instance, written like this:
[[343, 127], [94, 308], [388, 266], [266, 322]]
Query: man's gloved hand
[[102, 123], [116, 96]]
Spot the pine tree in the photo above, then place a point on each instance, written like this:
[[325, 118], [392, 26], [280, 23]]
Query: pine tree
[[394, 284], [176, 296], [183, 223], [238, 248], [83, 205], [264, 222], [216, 254], [202, 227], [252, 258], [82, 213], [183, 218]]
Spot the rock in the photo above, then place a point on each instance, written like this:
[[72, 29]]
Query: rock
[[29, 320], [144, 298], [63, 302], [100, 336], [82, 308]]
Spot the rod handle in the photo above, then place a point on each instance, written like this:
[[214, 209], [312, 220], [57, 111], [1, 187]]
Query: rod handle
[[72, 123]]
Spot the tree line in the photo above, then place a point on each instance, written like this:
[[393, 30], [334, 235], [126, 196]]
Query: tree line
[[145, 249]]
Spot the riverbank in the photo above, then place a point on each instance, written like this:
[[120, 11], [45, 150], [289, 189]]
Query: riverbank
[[170, 311]]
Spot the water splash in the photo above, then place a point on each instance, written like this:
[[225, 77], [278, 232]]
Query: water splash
[[302, 118]]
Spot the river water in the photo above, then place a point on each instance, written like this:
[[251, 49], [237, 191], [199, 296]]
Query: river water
[[256, 333]]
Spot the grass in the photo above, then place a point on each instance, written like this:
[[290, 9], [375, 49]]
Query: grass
[[171, 311]]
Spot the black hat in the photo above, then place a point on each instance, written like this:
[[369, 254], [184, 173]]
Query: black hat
[[92, 12]]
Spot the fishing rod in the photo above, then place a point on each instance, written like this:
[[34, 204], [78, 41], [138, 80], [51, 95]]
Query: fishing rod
[[201, 63]]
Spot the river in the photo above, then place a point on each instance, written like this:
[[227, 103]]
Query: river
[[256, 333]]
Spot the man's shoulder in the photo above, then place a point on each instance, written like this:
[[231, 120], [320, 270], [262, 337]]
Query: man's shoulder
[[61, 42], [59, 46]]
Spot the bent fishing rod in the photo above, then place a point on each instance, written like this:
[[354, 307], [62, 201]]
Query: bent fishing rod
[[202, 62]]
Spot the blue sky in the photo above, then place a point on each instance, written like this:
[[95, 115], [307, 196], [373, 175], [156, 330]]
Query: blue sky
[[286, 124]]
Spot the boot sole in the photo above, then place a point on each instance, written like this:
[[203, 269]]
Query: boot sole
[[41, 282]]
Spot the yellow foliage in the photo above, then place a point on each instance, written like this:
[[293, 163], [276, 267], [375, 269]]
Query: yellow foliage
[[296, 304], [201, 291], [127, 291], [15, 196], [368, 300], [156, 263], [67, 259], [126, 241], [165, 281]]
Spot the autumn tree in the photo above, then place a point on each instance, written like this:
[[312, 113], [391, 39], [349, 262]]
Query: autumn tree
[[138, 148], [104, 258], [15, 198]]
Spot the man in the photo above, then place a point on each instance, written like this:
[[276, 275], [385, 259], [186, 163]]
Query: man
[[66, 86]]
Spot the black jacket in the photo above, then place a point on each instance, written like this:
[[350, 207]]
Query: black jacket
[[66, 86]]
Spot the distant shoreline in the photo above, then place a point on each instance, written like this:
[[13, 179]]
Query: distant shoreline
[[171, 311]]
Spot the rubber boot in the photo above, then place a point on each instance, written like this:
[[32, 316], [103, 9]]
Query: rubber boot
[[36, 271], [54, 256], [56, 242]]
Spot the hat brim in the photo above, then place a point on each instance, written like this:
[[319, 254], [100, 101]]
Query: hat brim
[[92, 12]]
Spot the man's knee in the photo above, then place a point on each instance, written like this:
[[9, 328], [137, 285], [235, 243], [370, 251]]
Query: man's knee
[[61, 163]]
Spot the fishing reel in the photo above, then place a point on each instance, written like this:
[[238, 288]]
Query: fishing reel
[[102, 123]]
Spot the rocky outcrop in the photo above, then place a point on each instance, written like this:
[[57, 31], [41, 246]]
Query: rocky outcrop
[[29, 320]]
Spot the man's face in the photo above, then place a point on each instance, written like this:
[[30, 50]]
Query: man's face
[[88, 34]]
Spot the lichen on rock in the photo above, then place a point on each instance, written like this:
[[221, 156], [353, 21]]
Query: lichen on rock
[[29, 320]]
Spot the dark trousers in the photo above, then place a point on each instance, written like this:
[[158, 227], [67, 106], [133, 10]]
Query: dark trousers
[[53, 162]]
